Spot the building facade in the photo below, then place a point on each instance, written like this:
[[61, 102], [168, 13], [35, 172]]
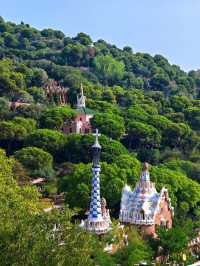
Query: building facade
[[80, 124], [98, 220], [145, 207]]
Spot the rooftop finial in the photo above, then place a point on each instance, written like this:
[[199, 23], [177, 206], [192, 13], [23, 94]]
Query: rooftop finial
[[145, 172], [145, 167], [82, 89], [96, 143]]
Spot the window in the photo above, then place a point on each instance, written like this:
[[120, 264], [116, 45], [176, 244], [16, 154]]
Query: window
[[143, 214]]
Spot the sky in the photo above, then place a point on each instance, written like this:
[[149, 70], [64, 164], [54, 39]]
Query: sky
[[167, 27]]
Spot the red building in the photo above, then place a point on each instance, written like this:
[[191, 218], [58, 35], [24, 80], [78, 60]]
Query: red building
[[81, 122]]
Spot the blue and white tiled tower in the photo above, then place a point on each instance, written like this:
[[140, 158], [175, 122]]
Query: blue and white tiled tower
[[98, 220]]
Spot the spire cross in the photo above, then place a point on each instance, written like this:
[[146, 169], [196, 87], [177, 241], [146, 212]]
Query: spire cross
[[97, 134]]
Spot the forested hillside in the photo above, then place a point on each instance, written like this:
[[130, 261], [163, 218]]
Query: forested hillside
[[145, 108]]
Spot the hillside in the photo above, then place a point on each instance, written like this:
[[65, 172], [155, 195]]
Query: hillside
[[145, 108]]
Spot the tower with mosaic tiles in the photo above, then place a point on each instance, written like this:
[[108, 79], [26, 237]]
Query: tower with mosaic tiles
[[98, 220]]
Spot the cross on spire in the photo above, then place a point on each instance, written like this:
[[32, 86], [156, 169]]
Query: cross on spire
[[97, 135]]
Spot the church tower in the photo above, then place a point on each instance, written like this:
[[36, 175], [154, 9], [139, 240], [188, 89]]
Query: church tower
[[80, 124], [81, 99], [98, 220]]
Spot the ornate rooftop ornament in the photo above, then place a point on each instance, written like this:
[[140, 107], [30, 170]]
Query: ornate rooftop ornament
[[144, 206]]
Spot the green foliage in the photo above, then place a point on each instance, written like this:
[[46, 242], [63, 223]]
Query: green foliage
[[28, 123], [28, 233], [172, 241], [108, 124], [49, 140], [188, 168], [78, 184], [179, 186], [78, 148], [142, 135], [11, 80], [12, 135], [36, 161], [4, 108], [136, 252], [149, 107], [76, 181], [108, 69], [55, 117]]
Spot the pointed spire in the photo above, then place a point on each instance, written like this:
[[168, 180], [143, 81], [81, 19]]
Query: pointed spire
[[82, 89], [145, 173], [81, 98], [96, 148]]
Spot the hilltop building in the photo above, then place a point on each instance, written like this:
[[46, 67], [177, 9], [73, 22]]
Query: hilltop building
[[145, 207], [98, 220], [81, 122]]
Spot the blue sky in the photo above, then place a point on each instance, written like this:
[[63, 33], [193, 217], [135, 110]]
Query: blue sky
[[167, 27]]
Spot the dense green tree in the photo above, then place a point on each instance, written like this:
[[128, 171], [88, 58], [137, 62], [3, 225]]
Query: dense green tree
[[173, 241], [28, 123], [174, 135], [28, 233], [29, 111], [180, 187], [55, 117], [12, 135], [137, 251], [78, 184], [11, 80], [142, 135], [108, 69], [83, 38], [108, 124], [4, 108], [160, 82], [78, 148], [22, 96], [73, 54], [38, 94], [193, 116], [36, 161], [49, 140]]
